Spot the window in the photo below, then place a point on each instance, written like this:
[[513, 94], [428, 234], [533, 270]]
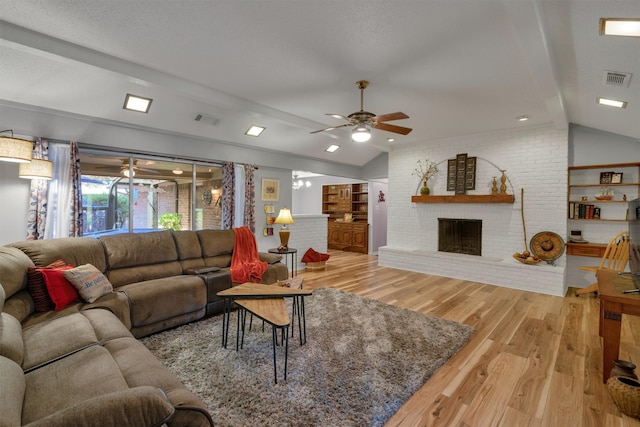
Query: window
[[122, 193]]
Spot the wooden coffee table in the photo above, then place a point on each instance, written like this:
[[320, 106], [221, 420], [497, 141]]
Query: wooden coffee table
[[274, 312]]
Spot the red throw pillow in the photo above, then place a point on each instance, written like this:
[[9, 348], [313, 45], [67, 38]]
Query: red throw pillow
[[38, 288], [62, 292]]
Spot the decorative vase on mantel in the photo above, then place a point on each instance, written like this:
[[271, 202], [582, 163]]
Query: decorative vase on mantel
[[424, 191]]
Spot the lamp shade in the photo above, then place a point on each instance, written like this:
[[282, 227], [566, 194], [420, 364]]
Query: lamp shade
[[15, 150], [284, 217], [37, 169]]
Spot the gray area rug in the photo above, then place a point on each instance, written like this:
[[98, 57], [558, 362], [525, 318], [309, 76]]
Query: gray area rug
[[362, 360]]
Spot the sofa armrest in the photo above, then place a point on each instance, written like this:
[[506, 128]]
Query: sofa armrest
[[138, 406], [269, 258]]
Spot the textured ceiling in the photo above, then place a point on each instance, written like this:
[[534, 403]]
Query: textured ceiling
[[455, 67]]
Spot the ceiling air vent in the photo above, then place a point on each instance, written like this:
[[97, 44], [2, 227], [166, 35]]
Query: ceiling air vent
[[205, 118], [616, 78]]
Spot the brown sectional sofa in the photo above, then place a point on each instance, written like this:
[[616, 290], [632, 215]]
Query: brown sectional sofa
[[83, 365]]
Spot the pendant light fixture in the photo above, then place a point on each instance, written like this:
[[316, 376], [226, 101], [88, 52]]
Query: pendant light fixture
[[15, 150]]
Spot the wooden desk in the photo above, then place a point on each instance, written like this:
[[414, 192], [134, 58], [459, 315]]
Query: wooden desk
[[613, 304]]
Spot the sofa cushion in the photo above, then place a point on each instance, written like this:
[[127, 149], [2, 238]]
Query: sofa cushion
[[157, 300], [11, 344], [85, 374], [62, 293], [13, 270], [74, 250], [141, 273], [90, 283], [216, 242], [12, 389], [133, 250], [139, 406], [187, 244], [269, 258], [38, 288]]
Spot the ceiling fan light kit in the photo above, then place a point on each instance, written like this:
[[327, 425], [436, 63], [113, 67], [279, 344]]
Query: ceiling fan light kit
[[364, 121], [361, 133]]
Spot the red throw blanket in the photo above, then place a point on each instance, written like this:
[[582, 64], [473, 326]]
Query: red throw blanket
[[313, 256], [245, 263]]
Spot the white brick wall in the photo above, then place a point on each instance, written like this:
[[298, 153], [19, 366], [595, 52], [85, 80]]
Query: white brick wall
[[534, 159], [309, 231]]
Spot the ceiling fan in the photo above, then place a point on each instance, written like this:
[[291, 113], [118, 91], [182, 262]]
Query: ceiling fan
[[124, 169], [363, 121]]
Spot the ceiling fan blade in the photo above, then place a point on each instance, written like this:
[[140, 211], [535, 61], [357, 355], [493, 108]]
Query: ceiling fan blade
[[389, 117], [153, 171], [393, 128], [338, 116], [330, 128]]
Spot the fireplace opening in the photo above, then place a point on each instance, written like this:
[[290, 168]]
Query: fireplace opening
[[460, 236]]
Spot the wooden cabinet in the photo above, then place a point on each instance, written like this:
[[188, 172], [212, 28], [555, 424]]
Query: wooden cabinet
[[598, 197], [348, 236], [348, 208]]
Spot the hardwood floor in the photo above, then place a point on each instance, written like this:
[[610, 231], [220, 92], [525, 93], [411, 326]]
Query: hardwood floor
[[535, 360]]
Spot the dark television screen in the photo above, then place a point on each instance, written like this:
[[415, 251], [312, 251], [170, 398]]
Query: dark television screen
[[634, 236]]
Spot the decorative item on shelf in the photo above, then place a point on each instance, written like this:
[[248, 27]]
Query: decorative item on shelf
[[525, 257], [494, 187], [503, 182], [348, 217], [284, 218], [425, 171], [623, 368], [625, 393], [605, 193]]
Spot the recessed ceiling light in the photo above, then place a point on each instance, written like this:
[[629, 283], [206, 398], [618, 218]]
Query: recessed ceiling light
[[629, 27], [177, 171], [522, 118], [390, 139], [254, 130], [611, 102], [137, 103], [332, 148]]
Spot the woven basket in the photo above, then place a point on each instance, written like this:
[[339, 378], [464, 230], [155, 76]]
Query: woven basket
[[625, 393], [524, 260], [313, 266]]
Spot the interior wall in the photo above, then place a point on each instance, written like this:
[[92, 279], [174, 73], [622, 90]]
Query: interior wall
[[589, 146], [534, 159], [14, 192]]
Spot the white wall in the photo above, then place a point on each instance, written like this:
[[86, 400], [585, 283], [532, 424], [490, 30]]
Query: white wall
[[535, 159], [14, 193], [593, 147]]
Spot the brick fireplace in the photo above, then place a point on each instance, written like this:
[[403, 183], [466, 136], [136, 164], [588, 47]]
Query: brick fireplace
[[412, 231]]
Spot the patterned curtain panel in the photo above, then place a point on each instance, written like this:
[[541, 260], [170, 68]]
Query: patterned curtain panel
[[249, 198], [38, 199], [75, 202], [228, 195]]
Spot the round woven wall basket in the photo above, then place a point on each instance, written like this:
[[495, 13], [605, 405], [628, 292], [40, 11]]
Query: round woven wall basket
[[625, 393]]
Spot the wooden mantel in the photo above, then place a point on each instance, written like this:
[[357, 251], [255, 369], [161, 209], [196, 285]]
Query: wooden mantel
[[465, 198]]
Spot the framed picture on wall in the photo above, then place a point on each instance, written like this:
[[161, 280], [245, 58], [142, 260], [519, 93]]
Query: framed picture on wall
[[270, 190], [616, 178], [605, 177]]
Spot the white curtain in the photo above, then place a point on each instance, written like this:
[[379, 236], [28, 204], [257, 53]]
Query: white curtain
[[239, 195], [60, 192]]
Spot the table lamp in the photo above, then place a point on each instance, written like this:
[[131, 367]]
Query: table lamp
[[284, 218]]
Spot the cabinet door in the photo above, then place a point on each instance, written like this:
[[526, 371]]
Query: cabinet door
[[333, 240], [360, 238], [345, 234]]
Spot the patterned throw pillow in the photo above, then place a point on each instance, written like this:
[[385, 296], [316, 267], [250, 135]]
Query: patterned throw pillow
[[60, 290], [38, 289], [89, 281]]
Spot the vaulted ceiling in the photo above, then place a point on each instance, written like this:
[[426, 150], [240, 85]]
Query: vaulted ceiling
[[455, 67]]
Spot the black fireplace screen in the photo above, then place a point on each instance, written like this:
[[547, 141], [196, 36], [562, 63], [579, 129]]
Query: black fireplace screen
[[460, 236]]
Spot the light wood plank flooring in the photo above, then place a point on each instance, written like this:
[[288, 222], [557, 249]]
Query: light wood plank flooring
[[535, 360]]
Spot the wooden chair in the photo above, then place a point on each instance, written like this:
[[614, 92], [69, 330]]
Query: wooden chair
[[615, 259]]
